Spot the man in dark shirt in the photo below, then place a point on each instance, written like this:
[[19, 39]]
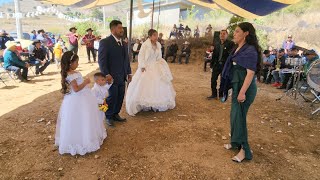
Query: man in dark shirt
[[38, 58], [220, 55], [288, 76], [185, 52], [172, 51]]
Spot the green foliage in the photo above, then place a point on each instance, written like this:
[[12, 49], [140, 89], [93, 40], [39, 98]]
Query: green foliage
[[83, 26], [233, 23], [263, 38], [140, 30], [97, 13]]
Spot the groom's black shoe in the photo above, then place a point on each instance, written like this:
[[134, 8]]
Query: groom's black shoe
[[110, 122], [116, 117], [212, 97]]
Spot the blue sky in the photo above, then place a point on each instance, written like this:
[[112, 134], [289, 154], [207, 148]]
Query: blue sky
[[5, 1]]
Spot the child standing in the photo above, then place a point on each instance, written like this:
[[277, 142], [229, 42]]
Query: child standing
[[100, 90], [80, 129], [57, 54]]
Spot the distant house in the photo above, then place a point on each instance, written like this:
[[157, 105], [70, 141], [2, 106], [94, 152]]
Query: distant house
[[171, 11]]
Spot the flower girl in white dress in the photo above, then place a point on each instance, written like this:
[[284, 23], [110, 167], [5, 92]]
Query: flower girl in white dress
[[151, 87], [79, 129]]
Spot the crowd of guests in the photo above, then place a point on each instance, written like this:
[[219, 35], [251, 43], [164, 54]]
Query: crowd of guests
[[278, 68], [182, 32], [172, 50], [44, 50]]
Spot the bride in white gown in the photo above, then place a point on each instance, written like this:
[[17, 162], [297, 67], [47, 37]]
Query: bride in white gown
[[151, 87]]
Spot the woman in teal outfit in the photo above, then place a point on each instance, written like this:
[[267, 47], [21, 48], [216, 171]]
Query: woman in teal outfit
[[239, 71]]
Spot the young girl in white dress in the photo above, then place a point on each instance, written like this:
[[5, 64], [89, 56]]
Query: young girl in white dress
[[80, 129], [151, 87]]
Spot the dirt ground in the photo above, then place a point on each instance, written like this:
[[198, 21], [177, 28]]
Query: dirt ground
[[184, 143]]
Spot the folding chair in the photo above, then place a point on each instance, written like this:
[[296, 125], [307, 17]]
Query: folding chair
[[3, 72]]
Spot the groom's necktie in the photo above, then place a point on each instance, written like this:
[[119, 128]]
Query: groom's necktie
[[119, 43]]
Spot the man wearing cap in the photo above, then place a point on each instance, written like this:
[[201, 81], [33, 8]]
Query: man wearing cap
[[4, 38], [12, 62], [88, 40], [38, 58], [288, 44], [185, 52], [172, 51], [221, 52], [73, 40]]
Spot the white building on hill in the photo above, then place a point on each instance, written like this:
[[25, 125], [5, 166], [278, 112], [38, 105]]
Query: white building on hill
[[171, 11]]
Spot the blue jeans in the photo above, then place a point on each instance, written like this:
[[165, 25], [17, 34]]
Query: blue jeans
[[37, 64], [186, 56], [277, 76], [17, 71]]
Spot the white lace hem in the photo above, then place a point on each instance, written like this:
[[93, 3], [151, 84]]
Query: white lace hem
[[75, 149], [147, 106]]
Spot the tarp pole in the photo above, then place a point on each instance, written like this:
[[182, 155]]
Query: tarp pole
[[104, 18], [130, 30], [158, 17], [18, 21], [152, 15]]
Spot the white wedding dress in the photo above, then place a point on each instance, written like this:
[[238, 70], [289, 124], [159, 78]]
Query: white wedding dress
[[80, 129], [152, 89]]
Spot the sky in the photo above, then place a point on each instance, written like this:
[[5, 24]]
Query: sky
[[5, 1]]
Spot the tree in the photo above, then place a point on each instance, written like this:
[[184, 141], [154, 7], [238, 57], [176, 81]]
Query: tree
[[233, 23], [97, 13]]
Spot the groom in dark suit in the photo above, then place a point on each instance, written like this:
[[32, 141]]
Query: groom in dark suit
[[114, 64]]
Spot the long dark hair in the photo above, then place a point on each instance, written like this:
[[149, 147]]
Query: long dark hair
[[252, 39], [67, 59]]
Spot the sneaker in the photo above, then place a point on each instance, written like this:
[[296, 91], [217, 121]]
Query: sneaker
[[275, 84]]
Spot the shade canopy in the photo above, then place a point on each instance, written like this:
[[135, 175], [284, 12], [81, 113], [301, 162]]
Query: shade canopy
[[250, 9]]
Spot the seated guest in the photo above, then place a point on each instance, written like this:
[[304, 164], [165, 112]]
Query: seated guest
[[268, 60], [13, 63], [38, 58], [180, 31], [136, 49], [172, 51], [208, 57], [279, 64], [293, 53], [173, 32], [185, 52], [187, 32], [311, 56]]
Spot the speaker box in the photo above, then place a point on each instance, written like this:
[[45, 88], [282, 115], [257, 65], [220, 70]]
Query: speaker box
[[216, 37]]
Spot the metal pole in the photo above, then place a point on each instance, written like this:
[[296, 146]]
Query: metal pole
[[152, 15], [104, 17], [130, 30], [18, 16], [158, 17]]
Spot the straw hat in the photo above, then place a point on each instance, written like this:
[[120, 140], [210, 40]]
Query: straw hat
[[10, 44]]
